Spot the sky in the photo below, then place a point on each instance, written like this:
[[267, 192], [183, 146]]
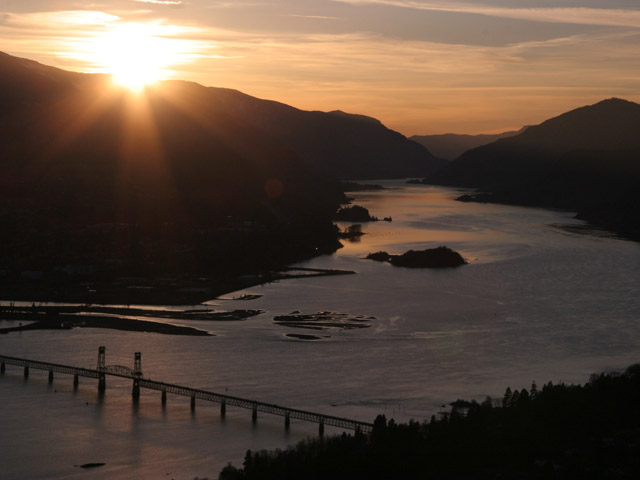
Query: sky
[[419, 66]]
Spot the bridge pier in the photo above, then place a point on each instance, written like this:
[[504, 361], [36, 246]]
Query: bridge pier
[[135, 392], [140, 382], [102, 382]]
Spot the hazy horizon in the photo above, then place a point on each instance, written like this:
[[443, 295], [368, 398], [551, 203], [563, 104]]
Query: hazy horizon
[[421, 67]]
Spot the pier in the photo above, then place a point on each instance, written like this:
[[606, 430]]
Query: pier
[[138, 381]]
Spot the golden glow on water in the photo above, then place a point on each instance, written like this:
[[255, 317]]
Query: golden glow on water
[[407, 230]]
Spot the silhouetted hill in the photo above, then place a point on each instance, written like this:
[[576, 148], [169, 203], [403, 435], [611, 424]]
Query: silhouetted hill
[[586, 160], [95, 180], [451, 145], [341, 144], [24, 80]]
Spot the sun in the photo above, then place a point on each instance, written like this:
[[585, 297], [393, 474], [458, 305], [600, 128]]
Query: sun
[[134, 54]]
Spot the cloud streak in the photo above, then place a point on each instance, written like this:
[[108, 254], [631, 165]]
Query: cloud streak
[[79, 40], [573, 15], [59, 19], [313, 17], [172, 3]]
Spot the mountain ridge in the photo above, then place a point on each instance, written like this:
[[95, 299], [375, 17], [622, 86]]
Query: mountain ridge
[[451, 145], [101, 183], [345, 145], [586, 160], [349, 146]]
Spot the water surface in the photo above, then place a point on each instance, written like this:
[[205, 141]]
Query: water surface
[[540, 300]]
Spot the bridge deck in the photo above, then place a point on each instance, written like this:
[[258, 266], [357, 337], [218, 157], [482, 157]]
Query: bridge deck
[[223, 399], [51, 367]]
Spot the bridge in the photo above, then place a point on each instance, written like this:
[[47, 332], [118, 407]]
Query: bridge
[[135, 374]]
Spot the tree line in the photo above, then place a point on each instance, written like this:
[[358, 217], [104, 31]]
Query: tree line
[[556, 431]]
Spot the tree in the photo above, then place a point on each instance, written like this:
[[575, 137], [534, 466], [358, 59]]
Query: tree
[[534, 390], [506, 400]]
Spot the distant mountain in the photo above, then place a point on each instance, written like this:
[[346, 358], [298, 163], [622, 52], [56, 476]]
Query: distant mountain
[[451, 145], [348, 146], [586, 160]]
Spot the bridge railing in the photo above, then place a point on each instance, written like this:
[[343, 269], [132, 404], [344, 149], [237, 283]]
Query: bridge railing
[[121, 371], [51, 367], [223, 399], [258, 406]]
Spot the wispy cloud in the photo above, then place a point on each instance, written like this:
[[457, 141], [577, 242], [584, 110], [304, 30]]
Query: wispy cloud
[[78, 40], [60, 19], [574, 15], [174, 3], [313, 17], [236, 4]]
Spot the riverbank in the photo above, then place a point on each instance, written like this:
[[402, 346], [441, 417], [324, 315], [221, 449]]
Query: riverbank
[[38, 321], [64, 317], [149, 290], [616, 219]]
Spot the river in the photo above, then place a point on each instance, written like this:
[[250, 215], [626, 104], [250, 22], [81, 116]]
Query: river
[[544, 298]]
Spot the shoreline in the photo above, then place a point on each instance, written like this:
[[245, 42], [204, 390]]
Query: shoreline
[[598, 221], [67, 322], [150, 290], [113, 311]]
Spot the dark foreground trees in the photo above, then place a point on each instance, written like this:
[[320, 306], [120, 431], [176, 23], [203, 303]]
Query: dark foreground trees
[[557, 431]]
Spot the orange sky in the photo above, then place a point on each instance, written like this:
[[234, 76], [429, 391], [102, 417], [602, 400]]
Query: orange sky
[[420, 66]]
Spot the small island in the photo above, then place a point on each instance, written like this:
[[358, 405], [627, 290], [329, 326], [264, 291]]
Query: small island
[[324, 321], [440, 257], [477, 197], [356, 213], [92, 465]]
